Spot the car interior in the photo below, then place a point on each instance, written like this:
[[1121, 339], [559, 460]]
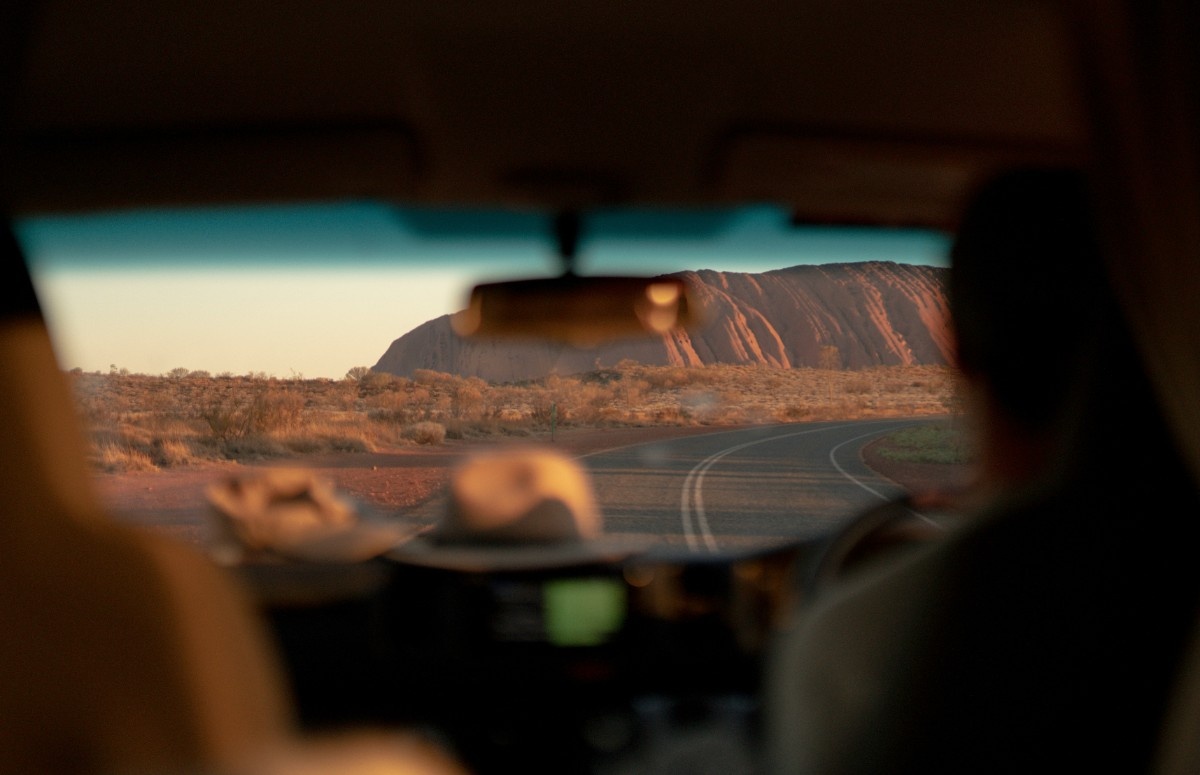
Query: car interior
[[127, 653]]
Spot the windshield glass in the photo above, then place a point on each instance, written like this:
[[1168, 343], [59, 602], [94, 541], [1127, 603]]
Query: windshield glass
[[205, 341]]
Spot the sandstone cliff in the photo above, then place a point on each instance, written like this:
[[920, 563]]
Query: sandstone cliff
[[874, 313]]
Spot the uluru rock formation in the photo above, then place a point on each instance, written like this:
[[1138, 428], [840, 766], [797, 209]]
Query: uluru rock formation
[[874, 313]]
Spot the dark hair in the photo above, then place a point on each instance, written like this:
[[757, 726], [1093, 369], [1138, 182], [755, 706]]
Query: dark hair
[[1027, 287], [1039, 323]]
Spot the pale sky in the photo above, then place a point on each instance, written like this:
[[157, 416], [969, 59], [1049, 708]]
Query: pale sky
[[315, 290]]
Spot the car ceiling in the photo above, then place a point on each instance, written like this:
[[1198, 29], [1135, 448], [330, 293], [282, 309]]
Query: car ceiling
[[846, 111]]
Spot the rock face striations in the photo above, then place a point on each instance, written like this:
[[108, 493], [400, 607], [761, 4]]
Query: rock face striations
[[874, 313]]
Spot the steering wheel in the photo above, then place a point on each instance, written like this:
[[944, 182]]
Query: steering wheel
[[874, 533]]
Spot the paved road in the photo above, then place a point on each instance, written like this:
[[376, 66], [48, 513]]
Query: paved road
[[726, 489]]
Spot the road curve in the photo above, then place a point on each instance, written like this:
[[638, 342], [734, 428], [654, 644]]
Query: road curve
[[741, 487]]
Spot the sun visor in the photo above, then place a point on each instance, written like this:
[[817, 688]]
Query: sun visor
[[848, 180], [110, 169]]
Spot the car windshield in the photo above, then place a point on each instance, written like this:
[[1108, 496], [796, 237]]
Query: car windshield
[[211, 341]]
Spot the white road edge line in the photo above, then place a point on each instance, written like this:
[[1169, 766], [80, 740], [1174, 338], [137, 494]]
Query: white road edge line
[[860, 483], [694, 483]]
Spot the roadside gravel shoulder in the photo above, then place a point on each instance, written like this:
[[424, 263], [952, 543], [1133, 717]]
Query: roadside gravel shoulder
[[916, 477]]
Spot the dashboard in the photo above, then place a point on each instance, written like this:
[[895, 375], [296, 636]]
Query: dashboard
[[637, 666]]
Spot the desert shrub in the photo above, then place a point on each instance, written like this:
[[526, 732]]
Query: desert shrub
[[670, 415], [393, 407], [468, 401], [725, 415], [467, 429], [440, 407], [391, 399], [793, 413], [374, 381], [172, 453], [426, 433], [829, 358], [349, 443], [251, 447], [855, 407], [389, 416], [118, 458], [710, 375], [275, 410], [510, 415], [543, 408], [632, 390], [667, 377], [583, 404], [344, 397], [304, 445], [858, 386], [431, 377], [225, 419], [170, 426], [578, 415]]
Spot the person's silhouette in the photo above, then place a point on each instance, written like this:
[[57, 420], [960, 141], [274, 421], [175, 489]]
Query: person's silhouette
[[1042, 632]]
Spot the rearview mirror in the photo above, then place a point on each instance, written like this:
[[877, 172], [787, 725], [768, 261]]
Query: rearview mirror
[[580, 310]]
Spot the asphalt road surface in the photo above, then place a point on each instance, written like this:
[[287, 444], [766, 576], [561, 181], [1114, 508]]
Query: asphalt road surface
[[733, 488]]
